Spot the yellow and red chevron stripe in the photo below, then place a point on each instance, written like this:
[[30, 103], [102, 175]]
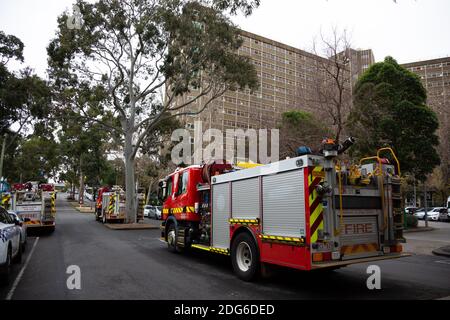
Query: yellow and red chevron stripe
[[53, 199], [181, 210], [5, 201], [359, 248], [112, 203], [315, 177]]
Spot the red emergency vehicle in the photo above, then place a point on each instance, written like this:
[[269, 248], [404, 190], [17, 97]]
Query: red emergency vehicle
[[308, 212]]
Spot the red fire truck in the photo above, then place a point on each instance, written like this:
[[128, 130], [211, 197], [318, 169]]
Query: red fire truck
[[308, 212], [99, 202], [33, 202]]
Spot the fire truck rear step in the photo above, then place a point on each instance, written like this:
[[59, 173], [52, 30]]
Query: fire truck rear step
[[325, 265]]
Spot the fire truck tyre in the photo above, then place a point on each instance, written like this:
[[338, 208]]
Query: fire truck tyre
[[5, 270], [18, 257], [245, 257], [172, 239]]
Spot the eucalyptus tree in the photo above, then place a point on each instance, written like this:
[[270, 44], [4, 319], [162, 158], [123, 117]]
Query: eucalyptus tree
[[121, 54]]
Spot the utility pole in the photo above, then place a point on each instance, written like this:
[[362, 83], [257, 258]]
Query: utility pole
[[3, 154]]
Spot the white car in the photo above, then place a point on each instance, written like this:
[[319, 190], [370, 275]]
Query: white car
[[10, 249], [23, 228], [432, 214], [152, 212], [147, 210]]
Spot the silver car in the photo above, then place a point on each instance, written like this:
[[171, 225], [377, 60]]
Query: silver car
[[23, 228]]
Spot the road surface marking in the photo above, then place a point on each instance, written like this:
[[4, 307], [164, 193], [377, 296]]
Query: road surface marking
[[443, 262], [19, 277], [162, 240]]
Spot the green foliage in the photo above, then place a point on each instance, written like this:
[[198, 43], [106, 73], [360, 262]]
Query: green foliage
[[299, 128], [10, 47], [37, 159], [25, 103], [297, 117], [411, 221], [82, 147], [113, 68], [390, 110]]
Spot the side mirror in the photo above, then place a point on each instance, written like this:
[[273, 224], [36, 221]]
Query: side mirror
[[18, 223]]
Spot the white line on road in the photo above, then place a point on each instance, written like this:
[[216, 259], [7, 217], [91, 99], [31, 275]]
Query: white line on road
[[443, 262], [19, 277]]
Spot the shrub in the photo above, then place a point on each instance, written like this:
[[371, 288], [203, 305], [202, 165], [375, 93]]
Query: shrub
[[411, 221]]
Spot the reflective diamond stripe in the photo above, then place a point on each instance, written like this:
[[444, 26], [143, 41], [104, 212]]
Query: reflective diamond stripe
[[315, 177]]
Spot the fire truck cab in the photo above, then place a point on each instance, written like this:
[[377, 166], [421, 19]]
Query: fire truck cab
[[308, 212]]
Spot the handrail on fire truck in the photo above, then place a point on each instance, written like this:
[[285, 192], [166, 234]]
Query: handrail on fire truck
[[341, 211], [378, 158], [393, 154]]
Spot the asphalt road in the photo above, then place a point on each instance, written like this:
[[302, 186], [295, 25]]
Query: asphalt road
[[426, 242], [137, 265]]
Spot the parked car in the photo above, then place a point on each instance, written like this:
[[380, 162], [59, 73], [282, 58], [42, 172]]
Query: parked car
[[10, 249], [23, 228], [444, 214], [152, 212], [89, 196], [147, 210], [411, 210], [432, 213]]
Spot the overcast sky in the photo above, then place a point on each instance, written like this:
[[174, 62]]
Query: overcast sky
[[409, 30]]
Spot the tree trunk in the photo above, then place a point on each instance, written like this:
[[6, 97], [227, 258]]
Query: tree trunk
[[81, 191], [130, 184]]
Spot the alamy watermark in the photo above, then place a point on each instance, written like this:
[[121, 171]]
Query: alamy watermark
[[75, 20], [374, 280], [73, 281], [214, 145]]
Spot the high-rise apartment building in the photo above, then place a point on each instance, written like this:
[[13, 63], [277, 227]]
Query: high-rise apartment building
[[286, 77], [435, 76], [360, 61], [288, 81]]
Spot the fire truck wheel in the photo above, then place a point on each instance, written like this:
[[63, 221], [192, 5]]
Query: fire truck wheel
[[172, 239], [245, 257]]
